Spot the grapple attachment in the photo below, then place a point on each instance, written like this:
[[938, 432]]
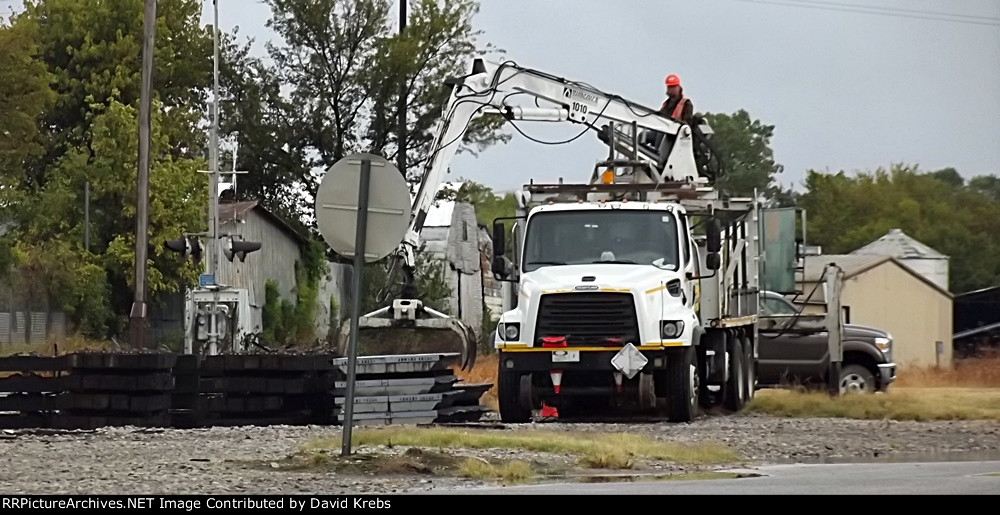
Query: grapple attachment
[[406, 328]]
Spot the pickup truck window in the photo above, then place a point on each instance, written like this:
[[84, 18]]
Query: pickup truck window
[[601, 236], [778, 306]]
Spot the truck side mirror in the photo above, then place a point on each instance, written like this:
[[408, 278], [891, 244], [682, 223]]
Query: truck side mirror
[[713, 261], [713, 236], [499, 239], [499, 261]]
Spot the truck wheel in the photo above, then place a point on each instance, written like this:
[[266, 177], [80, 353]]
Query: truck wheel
[[509, 398], [683, 382], [751, 367], [856, 379], [736, 385]]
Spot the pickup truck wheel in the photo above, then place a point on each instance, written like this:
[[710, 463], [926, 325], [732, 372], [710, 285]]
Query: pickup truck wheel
[[509, 398], [735, 387], [856, 379]]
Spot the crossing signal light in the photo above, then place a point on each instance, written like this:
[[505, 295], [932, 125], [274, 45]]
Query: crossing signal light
[[185, 247], [233, 249]]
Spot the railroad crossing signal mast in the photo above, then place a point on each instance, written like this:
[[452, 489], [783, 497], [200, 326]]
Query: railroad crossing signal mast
[[211, 300]]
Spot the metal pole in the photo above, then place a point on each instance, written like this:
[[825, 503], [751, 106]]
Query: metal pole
[[138, 313], [834, 327], [86, 216], [359, 263], [401, 152], [213, 185]]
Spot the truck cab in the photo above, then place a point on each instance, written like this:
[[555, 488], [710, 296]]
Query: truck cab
[[602, 273], [603, 309]]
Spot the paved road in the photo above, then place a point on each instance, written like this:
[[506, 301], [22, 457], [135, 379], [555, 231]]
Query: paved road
[[937, 478]]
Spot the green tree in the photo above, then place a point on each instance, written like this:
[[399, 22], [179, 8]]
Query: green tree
[[988, 185], [745, 147], [92, 53], [344, 67], [845, 213], [25, 95], [489, 206]]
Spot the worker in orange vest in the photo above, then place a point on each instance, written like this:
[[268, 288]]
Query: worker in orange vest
[[677, 106]]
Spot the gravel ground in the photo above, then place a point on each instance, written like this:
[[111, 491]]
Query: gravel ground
[[219, 460]]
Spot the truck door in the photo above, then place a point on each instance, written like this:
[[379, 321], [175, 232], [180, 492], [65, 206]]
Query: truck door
[[792, 349]]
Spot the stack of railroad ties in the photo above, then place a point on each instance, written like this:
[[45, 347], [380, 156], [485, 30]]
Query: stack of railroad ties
[[88, 390]]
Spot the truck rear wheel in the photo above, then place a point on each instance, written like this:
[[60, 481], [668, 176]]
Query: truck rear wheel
[[735, 386], [751, 366], [683, 383], [509, 397]]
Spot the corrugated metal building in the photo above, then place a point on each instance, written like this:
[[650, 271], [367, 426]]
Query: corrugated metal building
[[880, 291], [281, 248]]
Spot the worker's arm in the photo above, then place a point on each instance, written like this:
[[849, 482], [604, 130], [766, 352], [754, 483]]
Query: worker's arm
[[688, 113]]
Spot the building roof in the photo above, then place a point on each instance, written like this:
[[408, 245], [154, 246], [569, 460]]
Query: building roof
[[854, 265], [851, 264], [440, 213], [976, 293], [229, 210], [898, 244]]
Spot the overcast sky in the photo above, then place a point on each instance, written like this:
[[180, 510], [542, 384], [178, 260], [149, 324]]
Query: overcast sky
[[845, 90]]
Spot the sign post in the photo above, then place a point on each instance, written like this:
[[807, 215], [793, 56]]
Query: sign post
[[362, 211], [359, 263]]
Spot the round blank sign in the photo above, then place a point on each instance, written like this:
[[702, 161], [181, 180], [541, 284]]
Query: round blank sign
[[389, 207]]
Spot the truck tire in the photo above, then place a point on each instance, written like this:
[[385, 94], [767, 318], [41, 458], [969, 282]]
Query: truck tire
[[509, 398], [683, 381], [856, 379], [751, 366], [706, 398], [734, 390]]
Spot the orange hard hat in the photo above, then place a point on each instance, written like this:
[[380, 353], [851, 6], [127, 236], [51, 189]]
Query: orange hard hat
[[673, 80]]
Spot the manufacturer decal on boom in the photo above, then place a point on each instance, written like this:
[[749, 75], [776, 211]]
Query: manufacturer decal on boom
[[587, 97]]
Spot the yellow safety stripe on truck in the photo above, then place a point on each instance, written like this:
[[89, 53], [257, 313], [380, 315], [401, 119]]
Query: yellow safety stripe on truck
[[525, 348]]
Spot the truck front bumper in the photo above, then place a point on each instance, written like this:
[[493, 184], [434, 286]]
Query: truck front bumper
[[887, 374], [573, 360]]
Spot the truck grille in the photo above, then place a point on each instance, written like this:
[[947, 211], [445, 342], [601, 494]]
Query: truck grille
[[588, 318]]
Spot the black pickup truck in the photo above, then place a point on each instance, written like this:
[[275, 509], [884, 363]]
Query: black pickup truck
[[790, 355]]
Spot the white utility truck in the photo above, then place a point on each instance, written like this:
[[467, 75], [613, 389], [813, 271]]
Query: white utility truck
[[637, 288]]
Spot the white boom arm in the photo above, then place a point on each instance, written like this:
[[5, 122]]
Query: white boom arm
[[486, 91]]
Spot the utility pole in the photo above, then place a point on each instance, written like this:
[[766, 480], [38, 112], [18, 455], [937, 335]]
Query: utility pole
[[401, 151], [213, 185], [138, 313]]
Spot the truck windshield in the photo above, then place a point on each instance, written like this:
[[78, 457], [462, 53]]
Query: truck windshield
[[601, 236]]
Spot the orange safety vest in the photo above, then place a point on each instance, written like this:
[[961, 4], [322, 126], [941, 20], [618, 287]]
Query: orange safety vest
[[679, 109]]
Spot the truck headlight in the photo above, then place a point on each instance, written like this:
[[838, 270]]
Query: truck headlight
[[511, 332], [671, 328], [883, 344]]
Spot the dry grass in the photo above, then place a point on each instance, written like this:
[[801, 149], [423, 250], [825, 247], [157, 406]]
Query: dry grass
[[982, 372], [484, 371], [68, 345], [595, 450], [918, 404], [509, 473]]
